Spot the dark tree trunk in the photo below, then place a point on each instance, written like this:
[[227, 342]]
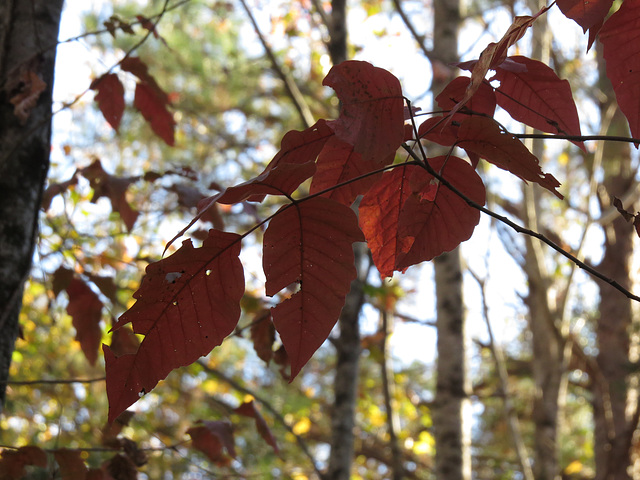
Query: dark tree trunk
[[28, 35]]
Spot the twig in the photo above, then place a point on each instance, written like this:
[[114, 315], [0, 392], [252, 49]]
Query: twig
[[53, 381], [496, 352], [267, 405], [290, 85], [417, 37]]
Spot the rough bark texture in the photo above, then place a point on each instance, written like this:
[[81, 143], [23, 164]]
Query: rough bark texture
[[613, 432], [27, 31], [452, 433], [348, 343], [547, 346]]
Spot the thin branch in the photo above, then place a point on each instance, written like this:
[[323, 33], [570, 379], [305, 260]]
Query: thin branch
[[267, 405], [414, 33], [498, 358], [53, 381], [290, 85]]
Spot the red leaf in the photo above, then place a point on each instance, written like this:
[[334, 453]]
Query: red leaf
[[372, 114], [71, 464], [537, 97], [114, 188], [13, 462], [302, 147], [337, 163], [434, 217], [249, 409], [154, 110], [587, 14], [110, 98], [379, 213], [137, 67], [210, 437], [263, 334], [438, 130], [85, 308], [309, 243], [482, 136], [494, 55], [620, 37], [187, 304], [482, 102]]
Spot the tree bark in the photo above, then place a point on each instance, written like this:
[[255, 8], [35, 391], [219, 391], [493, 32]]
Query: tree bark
[[451, 430], [28, 30]]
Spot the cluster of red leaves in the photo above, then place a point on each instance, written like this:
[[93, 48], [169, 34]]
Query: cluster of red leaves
[[149, 99], [411, 210]]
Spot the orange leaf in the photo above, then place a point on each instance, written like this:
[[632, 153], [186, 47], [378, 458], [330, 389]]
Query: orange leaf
[[110, 98], [380, 210], [187, 304], [434, 217], [85, 308], [309, 243], [482, 136]]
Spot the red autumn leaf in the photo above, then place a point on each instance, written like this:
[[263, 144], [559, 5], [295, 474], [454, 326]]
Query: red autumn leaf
[[154, 110], [494, 55], [587, 14], [138, 68], [110, 98], [249, 409], [434, 218], [85, 308], [620, 38], [483, 137], [71, 464], [482, 102], [13, 462], [300, 147], [263, 334], [338, 163], [379, 213], [439, 130], [372, 114], [537, 97], [114, 188], [210, 437], [309, 243], [27, 95], [187, 304]]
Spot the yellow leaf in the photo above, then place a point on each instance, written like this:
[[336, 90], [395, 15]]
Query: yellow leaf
[[574, 467]]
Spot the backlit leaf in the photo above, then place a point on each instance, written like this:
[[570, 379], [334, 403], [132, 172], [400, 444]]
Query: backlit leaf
[[154, 110], [434, 218], [537, 97], [85, 308], [379, 213], [587, 14], [483, 137], [187, 304], [620, 37], [309, 244], [110, 98], [372, 114]]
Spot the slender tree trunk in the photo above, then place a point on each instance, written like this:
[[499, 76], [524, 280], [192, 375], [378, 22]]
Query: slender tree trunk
[[451, 429], [348, 343], [28, 29], [613, 431], [547, 364]]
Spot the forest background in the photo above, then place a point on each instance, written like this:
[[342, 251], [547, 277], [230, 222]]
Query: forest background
[[238, 76]]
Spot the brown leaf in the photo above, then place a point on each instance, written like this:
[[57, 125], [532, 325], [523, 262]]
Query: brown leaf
[[31, 86], [110, 98], [71, 464], [85, 308], [13, 462], [120, 467], [249, 409], [263, 334], [211, 437]]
